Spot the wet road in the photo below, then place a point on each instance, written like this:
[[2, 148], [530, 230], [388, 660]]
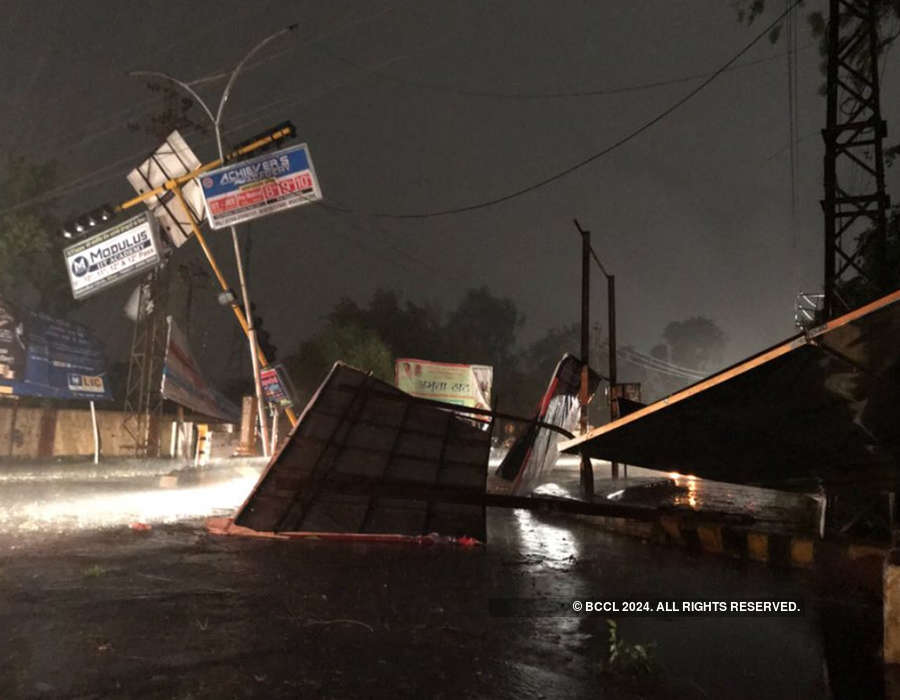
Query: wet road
[[176, 612], [771, 510], [60, 498], [91, 608]]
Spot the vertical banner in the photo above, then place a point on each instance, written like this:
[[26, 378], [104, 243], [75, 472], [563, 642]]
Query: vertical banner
[[276, 386]]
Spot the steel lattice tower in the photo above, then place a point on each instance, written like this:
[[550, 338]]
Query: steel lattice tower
[[855, 201], [143, 400]]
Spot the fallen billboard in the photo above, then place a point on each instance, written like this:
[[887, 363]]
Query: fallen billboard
[[48, 357], [183, 381], [369, 460], [465, 385], [259, 186], [821, 405], [112, 256]]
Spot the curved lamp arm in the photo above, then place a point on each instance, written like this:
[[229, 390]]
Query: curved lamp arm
[[226, 93]]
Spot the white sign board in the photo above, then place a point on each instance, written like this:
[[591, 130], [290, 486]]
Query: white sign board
[[172, 159], [263, 185], [112, 256]]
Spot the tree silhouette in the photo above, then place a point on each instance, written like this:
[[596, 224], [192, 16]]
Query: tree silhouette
[[696, 343]]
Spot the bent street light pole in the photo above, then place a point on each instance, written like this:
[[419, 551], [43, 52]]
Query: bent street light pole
[[242, 279]]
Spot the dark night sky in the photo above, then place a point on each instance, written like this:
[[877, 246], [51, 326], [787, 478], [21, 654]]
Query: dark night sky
[[693, 216]]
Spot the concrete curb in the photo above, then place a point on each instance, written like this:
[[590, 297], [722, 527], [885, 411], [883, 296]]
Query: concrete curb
[[741, 542]]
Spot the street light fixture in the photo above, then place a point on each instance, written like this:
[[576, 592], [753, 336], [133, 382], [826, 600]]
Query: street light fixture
[[216, 120]]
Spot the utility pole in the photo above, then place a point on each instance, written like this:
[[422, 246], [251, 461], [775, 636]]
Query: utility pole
[[586, 469], [586, 253], [217, 128], [613, 403]]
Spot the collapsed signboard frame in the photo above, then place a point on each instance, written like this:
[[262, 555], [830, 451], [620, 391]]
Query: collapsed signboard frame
[[820, 406], [366, 458], [113, 255]]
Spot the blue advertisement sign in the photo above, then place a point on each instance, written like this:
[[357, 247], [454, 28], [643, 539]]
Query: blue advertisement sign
[[259, 186], [48, 357]]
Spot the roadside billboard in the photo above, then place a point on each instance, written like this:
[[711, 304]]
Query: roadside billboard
[[276, 386], [464, 385], [259, 186], [183, 381], [112, 256], [49, 357]]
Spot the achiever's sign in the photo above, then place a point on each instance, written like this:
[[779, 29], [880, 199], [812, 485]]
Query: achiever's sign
[[263, 185], [113, 255]]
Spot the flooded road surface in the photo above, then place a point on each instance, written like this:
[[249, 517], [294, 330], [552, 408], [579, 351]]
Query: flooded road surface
[[175, 612], [777, 511], [92, 608]]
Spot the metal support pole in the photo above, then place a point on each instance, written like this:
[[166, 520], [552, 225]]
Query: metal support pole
[[613, 404], [251, 337], [586, 468], [585, 324], [217, 126], [96, 434], [274, 431]]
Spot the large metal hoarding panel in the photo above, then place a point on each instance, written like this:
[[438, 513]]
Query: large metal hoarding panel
[[184, 383], [49, 357], [111, 256], [260, 186], [367, 458], [820, 406]]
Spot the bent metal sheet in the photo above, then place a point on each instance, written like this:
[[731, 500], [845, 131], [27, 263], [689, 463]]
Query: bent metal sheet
[[259, 186], [112, 256]]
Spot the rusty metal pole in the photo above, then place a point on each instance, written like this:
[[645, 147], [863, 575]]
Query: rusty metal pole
[[613, 404]]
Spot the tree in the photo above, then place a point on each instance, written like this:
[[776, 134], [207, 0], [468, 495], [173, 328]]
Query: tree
[[696, 343], [887, 12], [482, 329], [30, 263], [409, 330], [347, 342]]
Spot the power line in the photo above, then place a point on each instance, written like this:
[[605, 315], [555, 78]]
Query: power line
[[545, 95], [609, 149], [85, 181], [117, 117]]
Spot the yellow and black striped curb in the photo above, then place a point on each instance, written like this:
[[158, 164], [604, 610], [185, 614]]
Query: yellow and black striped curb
[[742, 542]]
